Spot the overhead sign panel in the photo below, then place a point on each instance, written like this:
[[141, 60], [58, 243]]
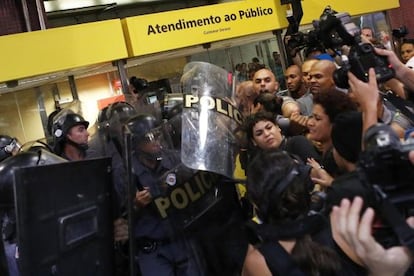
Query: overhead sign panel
[[181, 28], [164, 31], [312, 9], [46, 51]]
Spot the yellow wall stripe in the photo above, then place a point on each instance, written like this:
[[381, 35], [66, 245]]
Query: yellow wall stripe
[[40, 52]]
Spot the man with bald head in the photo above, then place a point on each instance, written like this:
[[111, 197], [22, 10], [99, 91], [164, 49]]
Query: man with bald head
[[321, 76], [264, 81], [318, 75]]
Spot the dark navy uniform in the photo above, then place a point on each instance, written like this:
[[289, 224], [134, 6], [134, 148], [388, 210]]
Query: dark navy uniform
[[161, 249], [8, 227]]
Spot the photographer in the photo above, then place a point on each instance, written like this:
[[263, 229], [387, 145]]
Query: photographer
[[355, 231], [367, 94], [353, 236], [402, 73]]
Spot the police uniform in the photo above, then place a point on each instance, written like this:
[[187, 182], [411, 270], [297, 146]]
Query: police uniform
[[8, 227], [161, 249], [7, 217]]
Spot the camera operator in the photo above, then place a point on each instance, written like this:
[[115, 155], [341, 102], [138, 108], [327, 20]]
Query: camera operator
[[355, 231], [352, 235], [367, 92], [392, 108], [402, 73]]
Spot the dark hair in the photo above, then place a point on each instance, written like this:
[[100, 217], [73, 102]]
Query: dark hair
[[334, 102], [368, 28], [407, 41], [270, 102], [252, 120], [314, 48], [278, 189], [266, 172]]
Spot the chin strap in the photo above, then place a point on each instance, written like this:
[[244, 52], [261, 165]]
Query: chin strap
[[81, 147]]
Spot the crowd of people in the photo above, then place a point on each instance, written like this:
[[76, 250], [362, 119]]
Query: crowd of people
[[326, 160], [308, 208]]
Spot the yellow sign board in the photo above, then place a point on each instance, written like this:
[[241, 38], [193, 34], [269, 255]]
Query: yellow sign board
[[164, 31], [180, 28], [312, 9]]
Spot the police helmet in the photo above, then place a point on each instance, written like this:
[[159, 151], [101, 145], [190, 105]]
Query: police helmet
[[115, 113], [174, 124], [50, 120], [102, 119], [120, 112], [8, 145], [141, 125], [63, 124], [23, 159]]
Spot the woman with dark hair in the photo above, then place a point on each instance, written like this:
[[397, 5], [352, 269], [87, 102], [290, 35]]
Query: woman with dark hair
[[263, 133], [278, 187], [326, 106]]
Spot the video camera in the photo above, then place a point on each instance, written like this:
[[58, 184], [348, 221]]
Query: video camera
[[335, 30], [385, 169], [300, 40], [331, 31], [400, 32]]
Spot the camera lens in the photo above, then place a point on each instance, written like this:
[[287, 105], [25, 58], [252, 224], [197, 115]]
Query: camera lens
[[366, 48], [340, 77]]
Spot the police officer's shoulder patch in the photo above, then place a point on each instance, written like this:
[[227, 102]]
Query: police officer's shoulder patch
[[171, 179]]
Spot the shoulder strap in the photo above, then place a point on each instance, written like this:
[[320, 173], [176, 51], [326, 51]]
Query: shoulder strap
[[278, 260]]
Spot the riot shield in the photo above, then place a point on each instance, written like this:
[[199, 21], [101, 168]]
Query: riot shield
[[189, 195], [64, 218], [146, 103], [210, 119], [204, 207]]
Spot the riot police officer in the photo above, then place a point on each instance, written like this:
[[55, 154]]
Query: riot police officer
[[161, 249], [8, 146], [71, 142], [36, 157], [70, 135], [108, 141]]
